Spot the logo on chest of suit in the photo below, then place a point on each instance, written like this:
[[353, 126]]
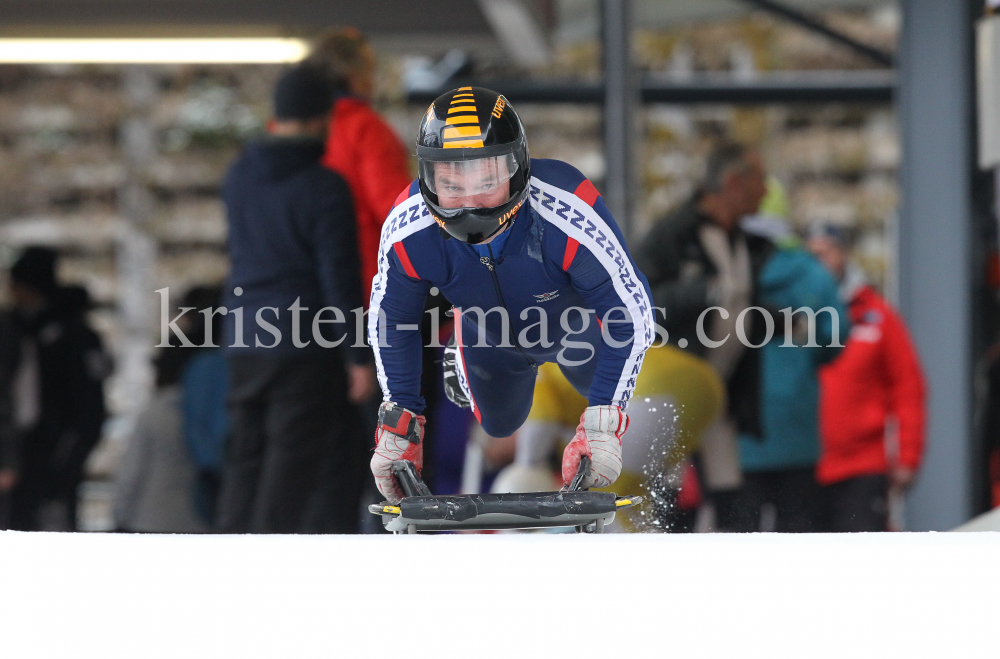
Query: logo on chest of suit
[[545, 297]]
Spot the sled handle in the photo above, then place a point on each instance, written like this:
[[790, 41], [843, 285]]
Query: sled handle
[[581, 473], [409, 480]]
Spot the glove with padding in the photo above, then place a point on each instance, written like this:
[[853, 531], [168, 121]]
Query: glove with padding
[[399, 436], [598, 436]]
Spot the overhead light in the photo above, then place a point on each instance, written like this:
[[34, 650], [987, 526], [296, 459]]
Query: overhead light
[[152, 51]]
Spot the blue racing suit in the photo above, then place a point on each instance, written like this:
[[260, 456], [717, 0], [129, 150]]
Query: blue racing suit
[[563, 288]]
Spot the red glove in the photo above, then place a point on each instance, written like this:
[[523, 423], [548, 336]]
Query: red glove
[[399, 436], [599, 436]]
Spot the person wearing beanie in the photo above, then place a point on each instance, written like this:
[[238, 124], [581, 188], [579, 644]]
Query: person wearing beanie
[[303, 95], [36, 270], [292, 245], [57, 392]]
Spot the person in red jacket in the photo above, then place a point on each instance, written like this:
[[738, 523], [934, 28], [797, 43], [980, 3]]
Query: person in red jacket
[[361, 146], [871, 401]]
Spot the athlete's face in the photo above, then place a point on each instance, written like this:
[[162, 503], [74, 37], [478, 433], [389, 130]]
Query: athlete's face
[[473, 184]]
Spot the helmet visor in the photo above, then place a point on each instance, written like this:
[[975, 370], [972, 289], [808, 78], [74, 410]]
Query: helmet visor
[[453, 180]]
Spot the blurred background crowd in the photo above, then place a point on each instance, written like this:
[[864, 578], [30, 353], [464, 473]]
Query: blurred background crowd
[[120, 180]]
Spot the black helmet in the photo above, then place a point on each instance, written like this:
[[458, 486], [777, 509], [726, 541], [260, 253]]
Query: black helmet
[[473, 134]]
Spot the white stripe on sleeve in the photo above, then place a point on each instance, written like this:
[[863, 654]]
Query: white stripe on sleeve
[[580, 221], [405, 220]]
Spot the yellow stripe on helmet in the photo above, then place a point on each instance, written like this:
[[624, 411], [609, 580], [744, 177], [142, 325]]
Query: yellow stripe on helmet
[[462, 125], [464, 144], [462, 131]]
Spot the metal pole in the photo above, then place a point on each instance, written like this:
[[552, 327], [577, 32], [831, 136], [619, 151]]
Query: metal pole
[[620, 102], [935, 253], [874, 87], [136, 248]]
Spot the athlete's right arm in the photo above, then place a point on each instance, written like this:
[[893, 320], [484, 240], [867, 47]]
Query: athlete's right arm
[[396, 312]]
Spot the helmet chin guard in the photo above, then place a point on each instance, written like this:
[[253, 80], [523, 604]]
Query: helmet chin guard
[[470, 142]]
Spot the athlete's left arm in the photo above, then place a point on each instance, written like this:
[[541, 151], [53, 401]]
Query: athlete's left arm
[[603, 272], [626, 325], [606, 278], [589, 247]]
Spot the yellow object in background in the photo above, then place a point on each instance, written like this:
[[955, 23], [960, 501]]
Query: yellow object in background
[[775, 202], [677, 396], [673, 379], [555, 398]]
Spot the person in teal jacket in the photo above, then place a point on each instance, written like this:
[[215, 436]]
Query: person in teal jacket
[[778, 466]]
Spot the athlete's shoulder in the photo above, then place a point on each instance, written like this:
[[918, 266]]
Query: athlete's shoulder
[[556, 172], [565, 177], [409, 215], [410, 191]]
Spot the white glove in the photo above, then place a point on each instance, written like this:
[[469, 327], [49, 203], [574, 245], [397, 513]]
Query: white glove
[[599, 436], [399, 436]]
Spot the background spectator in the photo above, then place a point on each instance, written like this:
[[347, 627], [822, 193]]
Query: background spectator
[[10, 456], [58, 393], [292, 240], [698, 257], [779, 491], [875, 384], [168, 475], [205, 388], [360, 145], [363, 148]]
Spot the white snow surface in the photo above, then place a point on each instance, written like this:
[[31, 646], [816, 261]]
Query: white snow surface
[[505, 595]]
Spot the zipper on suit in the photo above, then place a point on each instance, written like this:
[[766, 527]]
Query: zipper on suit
[[490, 262]]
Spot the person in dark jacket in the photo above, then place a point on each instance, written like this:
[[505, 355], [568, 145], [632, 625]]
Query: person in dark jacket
[[292, 244], [58, 393], [10, 454], [698, 257]]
